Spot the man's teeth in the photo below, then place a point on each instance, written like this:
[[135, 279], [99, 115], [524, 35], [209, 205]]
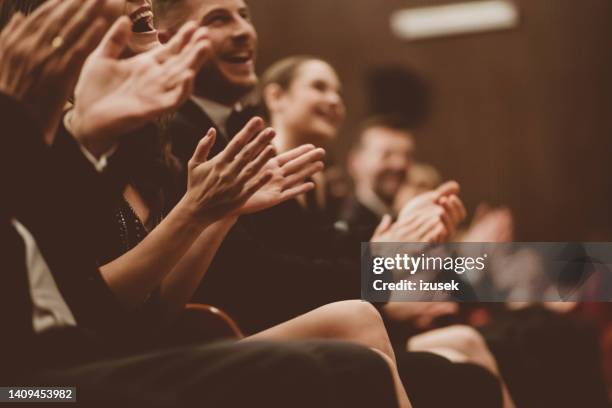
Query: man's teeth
[[240, 58]]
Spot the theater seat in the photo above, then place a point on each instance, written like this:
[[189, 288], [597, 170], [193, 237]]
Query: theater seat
[[210, 321]]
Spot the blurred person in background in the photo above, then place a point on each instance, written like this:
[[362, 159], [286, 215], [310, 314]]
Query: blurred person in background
[[421, 177], [379, 162]]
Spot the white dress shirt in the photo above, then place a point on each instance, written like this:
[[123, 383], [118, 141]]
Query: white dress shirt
[[217, 112]]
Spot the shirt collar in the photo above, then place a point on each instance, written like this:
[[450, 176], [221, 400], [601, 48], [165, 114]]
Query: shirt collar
[[217, 112], [373, 203]]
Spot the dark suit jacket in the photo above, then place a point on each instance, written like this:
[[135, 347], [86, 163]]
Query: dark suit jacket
[[55, 193], [255, 280], [359, 217]]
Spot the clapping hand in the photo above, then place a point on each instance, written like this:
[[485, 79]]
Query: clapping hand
[[42, 54], [431, 217], [115, 96], [218, 187], [289, 175]]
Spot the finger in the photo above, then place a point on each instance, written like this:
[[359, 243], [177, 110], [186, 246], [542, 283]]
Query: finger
[[40, 15], [252, 129], [75, 58], [384, 225], [286, 157], [255, 166], [200, 155], [297, 164], [428, 226], [438, 235], [116, 39], [306, 173], [252, 150], [58, 18], [448, 221], [448, 188], [81, 21], [459, 208], [254, 186], [191, 58], [199, 38], [12, 31], [178, 92], [196, 57], [297, 191], [13, 23], [176, 44], [453, 209]]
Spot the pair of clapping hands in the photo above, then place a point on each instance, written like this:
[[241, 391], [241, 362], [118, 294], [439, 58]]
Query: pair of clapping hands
[[432, 217], [73, 47]]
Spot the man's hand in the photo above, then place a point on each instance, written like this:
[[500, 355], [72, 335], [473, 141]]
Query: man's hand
[[491, 225], [289, 174], [42, 54], [425, 225], [115, 96], [446, 197], [216, 188]]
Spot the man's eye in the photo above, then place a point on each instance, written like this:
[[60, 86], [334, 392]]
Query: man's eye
[[244, 13], [217, 20], [320, 86]]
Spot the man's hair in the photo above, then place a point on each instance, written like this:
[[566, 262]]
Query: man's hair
[[162, 9], [392, 121], [8, 8]]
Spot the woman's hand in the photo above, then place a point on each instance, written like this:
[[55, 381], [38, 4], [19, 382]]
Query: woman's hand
[[290, 173], [115, 96], [217, 188], [42, 54]]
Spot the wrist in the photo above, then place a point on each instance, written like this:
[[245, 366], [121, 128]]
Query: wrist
[[87, 136], [191, 211]]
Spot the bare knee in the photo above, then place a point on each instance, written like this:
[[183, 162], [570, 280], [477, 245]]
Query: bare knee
[[360, 322], [468, 341], [352, 314]]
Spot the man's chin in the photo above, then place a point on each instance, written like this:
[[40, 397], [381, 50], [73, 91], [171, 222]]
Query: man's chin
[[216, 86]]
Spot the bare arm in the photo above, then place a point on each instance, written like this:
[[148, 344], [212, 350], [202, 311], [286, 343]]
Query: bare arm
[[133, 276], [178, 286]]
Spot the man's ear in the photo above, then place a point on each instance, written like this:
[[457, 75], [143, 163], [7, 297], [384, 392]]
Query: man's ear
[[164, 35], [272, 95]]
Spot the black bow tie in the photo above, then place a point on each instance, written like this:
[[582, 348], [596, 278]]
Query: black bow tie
[[239, 118]]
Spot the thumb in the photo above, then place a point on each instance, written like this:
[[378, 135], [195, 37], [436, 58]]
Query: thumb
[[384, 225], [116, 39], [203, 149], [448, 188]]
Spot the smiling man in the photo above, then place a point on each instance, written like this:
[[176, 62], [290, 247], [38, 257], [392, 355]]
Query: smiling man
[[226, 78]]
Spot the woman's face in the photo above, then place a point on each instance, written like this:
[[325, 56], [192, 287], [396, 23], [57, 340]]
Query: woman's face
[[144, 34], [313, 105]]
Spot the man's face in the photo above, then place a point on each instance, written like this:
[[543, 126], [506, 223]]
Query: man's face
[[144, 34], [229, 72], [382, 161]]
